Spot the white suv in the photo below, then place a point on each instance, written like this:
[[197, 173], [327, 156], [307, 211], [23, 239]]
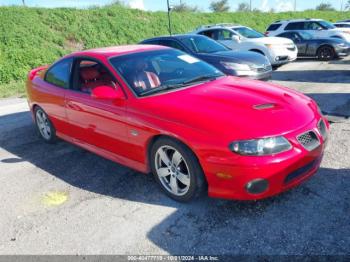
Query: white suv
[[278, 50], [318, 28]]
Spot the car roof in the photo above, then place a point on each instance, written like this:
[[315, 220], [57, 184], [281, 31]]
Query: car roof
[[179, 36], [119, 50], [216, 26], [297, 20]]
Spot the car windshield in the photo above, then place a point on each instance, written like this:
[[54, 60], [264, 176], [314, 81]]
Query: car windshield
[[157, 71], [305, 35], [326, 24], [248, 33], [202, 44]]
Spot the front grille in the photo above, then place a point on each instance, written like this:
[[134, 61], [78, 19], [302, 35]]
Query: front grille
[[302, 171], [322, 128], [309, 140]]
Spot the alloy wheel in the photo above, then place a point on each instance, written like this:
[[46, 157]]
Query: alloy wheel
[[43, 124], [172, 170]]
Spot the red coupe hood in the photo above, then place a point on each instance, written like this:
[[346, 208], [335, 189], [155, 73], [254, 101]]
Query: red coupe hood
[[250, 108]]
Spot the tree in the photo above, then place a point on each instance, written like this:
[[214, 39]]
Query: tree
[[243, 7], [325, 7], [220, 6], [347, 5], [182, 7], [23, 2]]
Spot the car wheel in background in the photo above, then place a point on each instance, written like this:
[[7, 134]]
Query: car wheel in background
[[325, 53], [45, 128], [176, 170]]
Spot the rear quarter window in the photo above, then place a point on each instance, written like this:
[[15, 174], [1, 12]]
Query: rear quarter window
[[273, 27], [59, 73]]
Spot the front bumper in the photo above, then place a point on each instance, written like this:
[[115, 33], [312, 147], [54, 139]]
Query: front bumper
[[229, 178], [258, 74], [342, 51], [281, 56]]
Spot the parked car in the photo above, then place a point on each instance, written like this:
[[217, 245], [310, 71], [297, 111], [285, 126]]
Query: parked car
[[322, 48], [278, 50], [154, 108], [243, 64], [318, 28], [343, 26], [346, 20]]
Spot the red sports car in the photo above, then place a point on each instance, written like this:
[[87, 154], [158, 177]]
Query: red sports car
[[158, 109]]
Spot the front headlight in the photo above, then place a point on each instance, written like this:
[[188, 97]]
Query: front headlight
[[261, 147], [341, 45], [235, 66]]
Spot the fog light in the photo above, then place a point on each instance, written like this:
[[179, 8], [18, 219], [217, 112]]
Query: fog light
[[257, 186]]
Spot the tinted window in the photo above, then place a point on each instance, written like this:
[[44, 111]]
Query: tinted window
[[208, 33], [154, 71], [59, 74], [295, 26], [201, 44], [273, 27], [171, 43]]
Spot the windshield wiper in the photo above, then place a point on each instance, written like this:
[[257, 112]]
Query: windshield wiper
[[200, 78], [159, 89], [182, 84]]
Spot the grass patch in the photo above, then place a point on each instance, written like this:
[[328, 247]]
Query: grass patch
[[30, 37], [12, 89]]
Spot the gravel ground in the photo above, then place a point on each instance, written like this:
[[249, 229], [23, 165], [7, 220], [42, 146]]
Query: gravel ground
[[60, 199]]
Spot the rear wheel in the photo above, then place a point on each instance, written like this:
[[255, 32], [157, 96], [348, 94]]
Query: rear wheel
[[45, 128], [176, 170], [325, 53]]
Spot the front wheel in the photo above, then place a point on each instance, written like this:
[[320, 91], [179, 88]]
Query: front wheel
[[325, 53], [45, 128], [177, 170]]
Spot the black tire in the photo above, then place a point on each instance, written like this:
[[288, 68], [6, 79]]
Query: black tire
[[197, 180], [47, 137], [325, 53]]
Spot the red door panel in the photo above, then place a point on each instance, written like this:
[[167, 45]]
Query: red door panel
[[100, 123]]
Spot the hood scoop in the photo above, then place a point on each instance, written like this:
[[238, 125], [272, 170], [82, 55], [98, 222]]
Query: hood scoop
[[265, 106]]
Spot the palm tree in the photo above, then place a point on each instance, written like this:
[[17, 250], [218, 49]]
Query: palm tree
[[347, 5]]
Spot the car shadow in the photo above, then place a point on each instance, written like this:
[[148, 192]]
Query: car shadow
[[295, 222], [312, 76]]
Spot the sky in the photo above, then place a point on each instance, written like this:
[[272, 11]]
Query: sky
[[156, 5]]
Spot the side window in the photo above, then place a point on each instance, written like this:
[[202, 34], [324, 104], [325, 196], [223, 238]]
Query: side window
[[90, 74], [273, 27], [208, 33], [295, 26], [59, 74], [172, 43], [312, 26], [224, 35]]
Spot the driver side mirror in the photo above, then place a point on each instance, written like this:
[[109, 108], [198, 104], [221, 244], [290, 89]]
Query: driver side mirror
[[236, 38], [107, 92]]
